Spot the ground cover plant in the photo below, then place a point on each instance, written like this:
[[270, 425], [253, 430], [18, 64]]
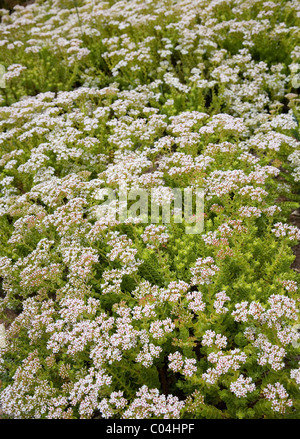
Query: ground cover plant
[[121, 319]]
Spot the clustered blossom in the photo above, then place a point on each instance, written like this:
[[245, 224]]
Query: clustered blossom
[[149, 403], [295, 374], [14, 71], [115, 401], [242, 386], [177, 363], [278, 396], [155, 235], [210, 338], [203, 271], [160, 327], [249, 211], [291, 232], [121, 249], [241, 312], [224, 362], [174, 292], [269, 354], [279, 307], [221, 298], [148, 354], [196, 303], [290, 285]]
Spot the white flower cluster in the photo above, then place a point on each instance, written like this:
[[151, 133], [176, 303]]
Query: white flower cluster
[[210, 338], [224, 363], [186, 366], [278, 396], [203, 271], [242, 386]]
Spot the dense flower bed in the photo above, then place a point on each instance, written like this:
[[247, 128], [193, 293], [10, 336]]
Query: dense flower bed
[[120, 319]]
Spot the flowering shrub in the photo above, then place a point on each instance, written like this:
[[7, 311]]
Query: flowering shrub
[[120, 319]]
